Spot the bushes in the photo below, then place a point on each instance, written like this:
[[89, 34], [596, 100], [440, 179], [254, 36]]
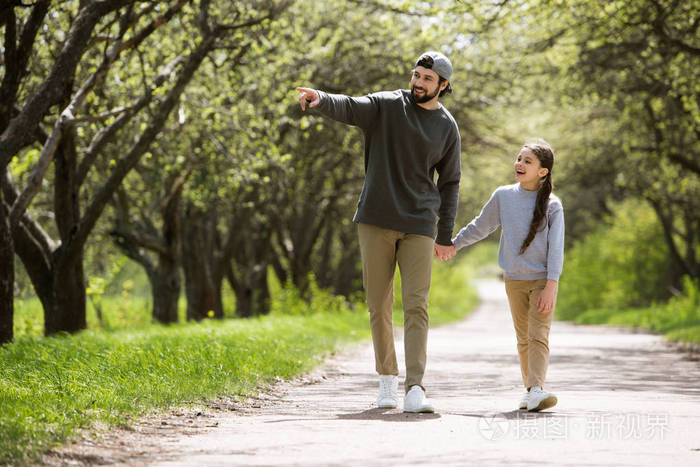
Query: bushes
[[622, 264], [620, 275]]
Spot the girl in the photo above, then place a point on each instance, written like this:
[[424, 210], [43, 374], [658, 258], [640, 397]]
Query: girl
[[531, 252]]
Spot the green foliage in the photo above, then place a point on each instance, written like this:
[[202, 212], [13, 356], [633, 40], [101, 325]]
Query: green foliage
[[624, 263], [679, 319], [28, 317], [290, 302], [620, 275]]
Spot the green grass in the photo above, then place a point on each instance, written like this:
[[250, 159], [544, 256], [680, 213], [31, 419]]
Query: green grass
[[678, 320], [125, 366], [688, 335], [53, 386]]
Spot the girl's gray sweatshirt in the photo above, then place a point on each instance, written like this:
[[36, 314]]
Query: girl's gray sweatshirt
[[511, 207]]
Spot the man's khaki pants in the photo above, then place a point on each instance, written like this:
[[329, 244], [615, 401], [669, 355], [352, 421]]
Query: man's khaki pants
[[381, 250], [531, 329]]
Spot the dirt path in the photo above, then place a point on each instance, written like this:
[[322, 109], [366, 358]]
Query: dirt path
[[624, 399]]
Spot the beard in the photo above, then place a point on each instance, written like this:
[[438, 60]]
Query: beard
[[426, 95]]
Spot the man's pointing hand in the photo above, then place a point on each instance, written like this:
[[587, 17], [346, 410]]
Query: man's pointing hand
[[308, 97]]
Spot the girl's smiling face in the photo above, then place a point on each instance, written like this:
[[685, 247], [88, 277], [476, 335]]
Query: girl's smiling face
[[529, 170]]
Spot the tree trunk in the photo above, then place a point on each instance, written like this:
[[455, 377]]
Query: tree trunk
[[324, 268], [164, 277], [262, 293], [677, 260], [244, 302], [66, 310], [165, 286], [7, 275], [68, 299], [348, 273], [252, 293], [202, 286], [203, 293], [252, 254], [301, 274], [279, 269], [349, 276]]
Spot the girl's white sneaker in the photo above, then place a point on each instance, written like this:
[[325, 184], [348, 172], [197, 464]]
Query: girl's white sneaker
[[540, 399], [524, 400]]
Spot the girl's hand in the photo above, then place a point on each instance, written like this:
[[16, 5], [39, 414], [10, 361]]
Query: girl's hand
[[547, 298]]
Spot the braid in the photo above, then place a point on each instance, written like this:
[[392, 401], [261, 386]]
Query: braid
[[546, 156]]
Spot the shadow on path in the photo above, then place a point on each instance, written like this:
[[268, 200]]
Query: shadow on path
[[389, 415]]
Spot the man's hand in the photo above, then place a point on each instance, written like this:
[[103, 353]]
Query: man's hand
[[547, 298], [444, 252], [308, 97]]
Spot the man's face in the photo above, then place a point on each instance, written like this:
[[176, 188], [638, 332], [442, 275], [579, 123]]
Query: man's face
[[425, 84]]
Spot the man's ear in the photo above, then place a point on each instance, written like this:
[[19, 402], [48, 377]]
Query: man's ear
[[444, 85]]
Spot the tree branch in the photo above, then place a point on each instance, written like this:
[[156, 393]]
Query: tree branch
[[20, 130], [124, 166], [98, 76], [102, 116], [136, 236], [661, 29], [16, 56], [34, 183], [381, 6], [33, 228], [105, 135]]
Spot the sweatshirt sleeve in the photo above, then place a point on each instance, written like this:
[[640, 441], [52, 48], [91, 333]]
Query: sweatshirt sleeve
[[357, 111], [449, 174], [555, 243], [481, 226]]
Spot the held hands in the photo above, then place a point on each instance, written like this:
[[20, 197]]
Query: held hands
[[308, 97], [547, 298], [444, 252]]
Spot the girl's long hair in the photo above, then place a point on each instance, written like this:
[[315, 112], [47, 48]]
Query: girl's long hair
[[545, 154]]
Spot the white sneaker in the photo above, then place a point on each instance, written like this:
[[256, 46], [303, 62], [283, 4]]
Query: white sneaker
[[416, 402], [388, 389], [524, 400], [540, 399]]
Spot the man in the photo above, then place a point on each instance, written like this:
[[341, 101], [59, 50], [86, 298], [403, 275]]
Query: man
[[409, 136]]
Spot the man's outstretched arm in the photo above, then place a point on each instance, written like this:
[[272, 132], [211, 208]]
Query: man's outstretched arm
[[358, 111]]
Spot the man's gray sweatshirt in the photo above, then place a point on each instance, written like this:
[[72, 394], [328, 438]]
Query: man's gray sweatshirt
[[405, 145], [512, 208]]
